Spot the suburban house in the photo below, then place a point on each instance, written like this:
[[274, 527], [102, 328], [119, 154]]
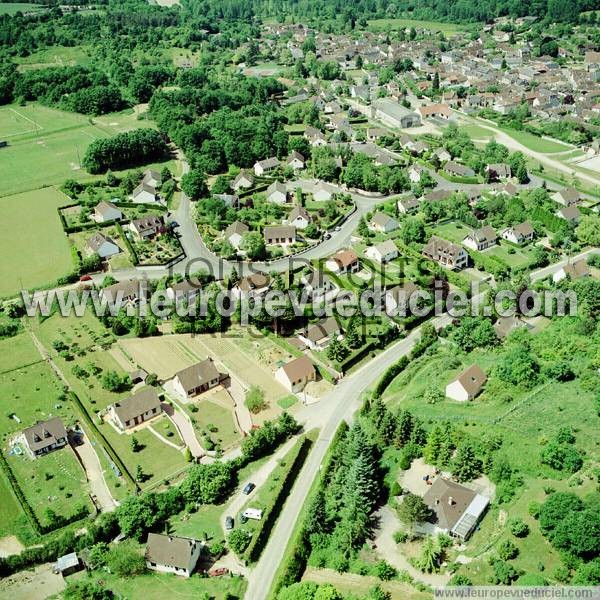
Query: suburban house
[[437, 196], [442, 154], [382, 253], [196, 379], [282, 235], [323, 192], [481, 239], [144, 193], [457, 170], [523, 232], [415, 171], [382, 223], [299, 218], [146, 227], [446, 253], [440, 111], [317, 284], [252, 286], [318, 336], [296, 374], [263, 167], [235, 233], [295, 161], [504, 325], [277, 193], [106, 211], [129, 291], [314, 136], [458, 509], [102, 245], [170, 554], [230, 200], [498, 171], [397, 299], [43, 437], [152, 177], [575, 270], [569, 213], [567, 196], [345, 261], [408, 205], [243, 180], [183, 290], [136, 409], [467, 385]]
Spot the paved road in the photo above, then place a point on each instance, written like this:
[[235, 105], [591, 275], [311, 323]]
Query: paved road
[[550, 269], [185, 429], [341, 403]]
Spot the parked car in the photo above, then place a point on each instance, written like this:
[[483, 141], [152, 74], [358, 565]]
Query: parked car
[[218, 572], [248, 488], [229, 523], [85, 278], [243, 519]]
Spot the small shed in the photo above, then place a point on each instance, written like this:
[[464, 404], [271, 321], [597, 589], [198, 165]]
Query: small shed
[[67, 564]]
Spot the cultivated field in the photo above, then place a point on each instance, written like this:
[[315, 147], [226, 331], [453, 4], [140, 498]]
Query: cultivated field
[[43, 254]]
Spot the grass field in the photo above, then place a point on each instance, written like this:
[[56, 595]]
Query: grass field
[[384, 24], [158, 586], [535, 143], [212, 415], [43, 254], [58, 56], [10, 8], [477, 133]]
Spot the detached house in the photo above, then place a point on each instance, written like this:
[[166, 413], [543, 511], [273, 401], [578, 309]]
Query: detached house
[[481, 239], [130, 292], [277, 193], [415, 172], [397, 299], [523, 232], [252, 286], [299, 218], [345, 261], [408, 205], [467, 385], [440, 111], [382, 223], [170, 554], [44, 437], [575, 270], [569, 213], [295, 161], [282, 235], [446, 253], [498, 171], [242, 181], [317, 284], [144, 193], [146, 227], [106, 211], [323, 192], [136, 409], [318, 336], [382, 253], [296, 374], [567, 197], [263, 167], [102, 245], [235, 233], [457, 170], [197, 379]]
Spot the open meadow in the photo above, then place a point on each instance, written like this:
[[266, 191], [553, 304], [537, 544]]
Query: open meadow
[[41, 255]]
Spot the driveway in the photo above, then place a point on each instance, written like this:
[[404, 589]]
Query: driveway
[[95, 474], [185, 429]]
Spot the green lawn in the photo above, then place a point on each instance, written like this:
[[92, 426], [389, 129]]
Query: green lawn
[[43, 254], [212, 415], [535, 143], [16, 352], [158, 586], [206, 520], [10, 511], [476, 132], [55, 56], [384, 24], [55, 481], [10, 8]]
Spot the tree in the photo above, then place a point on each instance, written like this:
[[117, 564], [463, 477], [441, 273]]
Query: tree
[[253, 245], [507, 550], [113, 382], [588, 230], [208, 483], [474, 332], [466, 465], [436, 82], [413, 510], [126, 560], [238, 541], [336, 351], [504, 573], [385, 571], [431, 554], [255, 399], [518, 527], [363, 229], [194, 185], [135, 444], [412, 230]]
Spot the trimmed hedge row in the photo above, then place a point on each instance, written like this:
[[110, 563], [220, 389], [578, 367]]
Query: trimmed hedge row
[[271, 513]]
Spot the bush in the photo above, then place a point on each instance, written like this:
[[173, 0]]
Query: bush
[[507, 550], [255, 399], [518, 528], [385, 571]]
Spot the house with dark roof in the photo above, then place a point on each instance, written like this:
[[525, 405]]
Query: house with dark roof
[[136, 409], [498, 171], [171, 554], [296, 374], [519, 234], [106, 211], [130, 292], [319, 335], [567, 196], [467, 385], [102, 245], [263, 167], [457, 508], [197, 379], [481, 239], [146, 227], [446, 253], [295, 160], [408, 205], [397, 299], [573, 270], [569, 213], [44, 437], [457, 170]]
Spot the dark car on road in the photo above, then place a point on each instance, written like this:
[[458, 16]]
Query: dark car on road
[[248, 488], [228, 523]]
